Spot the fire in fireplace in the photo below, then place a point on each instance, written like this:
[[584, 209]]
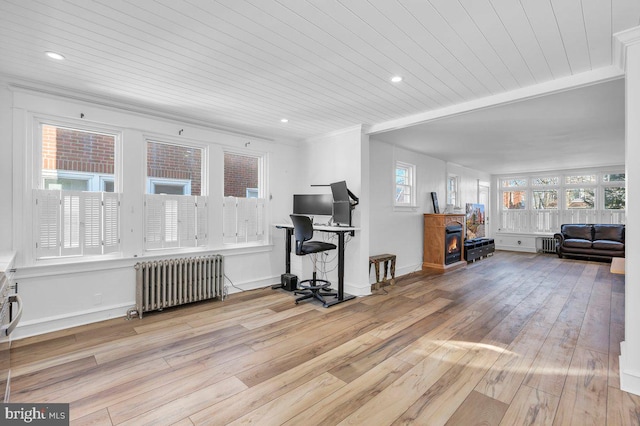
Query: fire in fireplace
[[453, 243]]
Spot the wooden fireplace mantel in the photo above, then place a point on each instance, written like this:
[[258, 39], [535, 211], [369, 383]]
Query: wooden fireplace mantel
[[434, 241]]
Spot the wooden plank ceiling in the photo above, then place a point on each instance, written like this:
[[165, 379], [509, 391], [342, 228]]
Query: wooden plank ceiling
[[322, 64]]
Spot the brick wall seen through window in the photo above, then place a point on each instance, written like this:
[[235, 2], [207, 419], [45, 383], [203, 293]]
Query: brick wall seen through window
[[75, 150], [240, 173], [175, 162]]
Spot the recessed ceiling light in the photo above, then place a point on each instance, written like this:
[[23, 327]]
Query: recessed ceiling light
[[396, 79], [284, 120], [54, 55]]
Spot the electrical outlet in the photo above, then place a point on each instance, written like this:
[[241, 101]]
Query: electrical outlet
[[97, 299]]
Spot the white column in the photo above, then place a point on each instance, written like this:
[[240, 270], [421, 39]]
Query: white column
[[628, 48]]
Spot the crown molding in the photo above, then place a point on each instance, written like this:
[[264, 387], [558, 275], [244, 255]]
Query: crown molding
[[621, 41], [36, 88]]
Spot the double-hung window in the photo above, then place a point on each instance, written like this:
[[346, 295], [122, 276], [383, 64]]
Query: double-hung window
[[244, 200], [76, 205], [175, 206], [405, 181]]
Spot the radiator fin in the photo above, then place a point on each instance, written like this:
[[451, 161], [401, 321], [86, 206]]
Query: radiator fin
[[165, 283], [547, 244]]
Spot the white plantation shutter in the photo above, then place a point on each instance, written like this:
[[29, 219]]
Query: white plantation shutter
[[111, 224], [154, 219], [175, 221], [260, 218], [243, 219], [70, 219], [251, 219], [187, 220], [229, 220], [242, 213], [47, 211], [74, 223], [91, 219], [170, 221], [201, 220]]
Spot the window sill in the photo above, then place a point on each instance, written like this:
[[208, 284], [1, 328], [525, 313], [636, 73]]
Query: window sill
[[405, 208], [63, 266]]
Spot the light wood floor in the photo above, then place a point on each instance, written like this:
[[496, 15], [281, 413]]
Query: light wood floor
[[513, 339]]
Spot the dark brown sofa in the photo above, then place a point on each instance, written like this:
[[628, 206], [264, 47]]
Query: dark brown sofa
[[590, 240]]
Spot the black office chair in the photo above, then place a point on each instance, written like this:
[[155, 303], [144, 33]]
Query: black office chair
[[303, 231]]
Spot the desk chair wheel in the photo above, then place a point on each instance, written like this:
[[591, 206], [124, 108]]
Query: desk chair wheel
[[314, 291]]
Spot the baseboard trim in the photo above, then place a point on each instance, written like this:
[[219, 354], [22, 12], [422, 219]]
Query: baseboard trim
[[406, 270], [62, 322], [50, 324], [516, 248], [356, 290], [629, 377], [250, 285]]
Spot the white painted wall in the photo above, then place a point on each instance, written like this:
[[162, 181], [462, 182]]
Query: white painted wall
[[6, 168], [469, 183], [399, 231], [59, 294], [630, 348], [330, 158]]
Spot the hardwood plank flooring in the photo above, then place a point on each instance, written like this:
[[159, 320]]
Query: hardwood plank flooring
[[517, 338]]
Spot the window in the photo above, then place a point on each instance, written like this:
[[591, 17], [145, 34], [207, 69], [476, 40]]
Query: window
[[514, 200], [76, 213], [617, 177], [544, 181], [175, 208], [580, 198], [169, 186], [545, 192], [614, 198], [244, 201], [452, 190], [572, 180], [511, 183], [405, 184], [614, 191], [542, 203], [545, 199]]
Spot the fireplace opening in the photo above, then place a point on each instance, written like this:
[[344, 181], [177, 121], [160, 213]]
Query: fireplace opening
[[453, 243]]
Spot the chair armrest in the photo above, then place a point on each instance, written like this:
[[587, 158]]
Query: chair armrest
[[559, 237]]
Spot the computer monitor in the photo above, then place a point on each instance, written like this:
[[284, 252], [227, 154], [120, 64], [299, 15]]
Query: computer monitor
[[313, 204], [342, 213], [340, 191]]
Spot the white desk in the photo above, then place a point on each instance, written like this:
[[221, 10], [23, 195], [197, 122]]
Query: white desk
[[340, 231]]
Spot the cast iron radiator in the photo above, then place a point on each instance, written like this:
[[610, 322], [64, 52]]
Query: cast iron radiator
[[547, 244], [165, 283]]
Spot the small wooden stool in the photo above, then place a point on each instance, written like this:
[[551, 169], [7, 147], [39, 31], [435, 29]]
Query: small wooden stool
[[387, 259]]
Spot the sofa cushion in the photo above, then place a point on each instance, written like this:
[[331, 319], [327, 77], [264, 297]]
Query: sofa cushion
[[577, 243], [607, 245], [609, 232], [577, 232]]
